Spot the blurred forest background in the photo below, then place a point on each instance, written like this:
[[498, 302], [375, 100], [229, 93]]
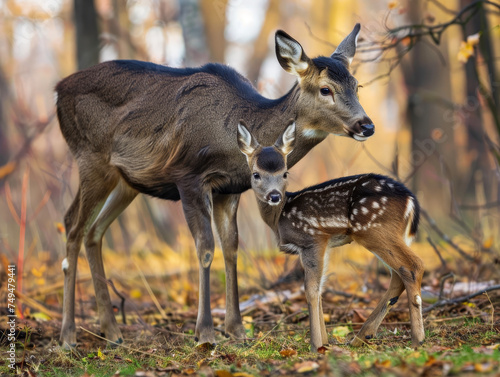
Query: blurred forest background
[[430, 71]]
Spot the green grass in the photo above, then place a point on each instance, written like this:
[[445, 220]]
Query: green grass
[[459, 349]]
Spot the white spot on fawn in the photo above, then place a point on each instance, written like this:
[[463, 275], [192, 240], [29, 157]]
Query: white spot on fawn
[[354, 211], [384, 199], [365, 183], [378, 188], [418, 299], [375, 205], [362, 201], [364, 210], [65, 264]]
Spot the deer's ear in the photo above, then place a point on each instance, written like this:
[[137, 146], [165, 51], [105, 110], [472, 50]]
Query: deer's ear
[[286, 141], [291, 55], [347, 48], [246, 141]]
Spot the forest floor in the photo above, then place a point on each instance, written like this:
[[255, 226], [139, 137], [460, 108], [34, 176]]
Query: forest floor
[[462, 336]]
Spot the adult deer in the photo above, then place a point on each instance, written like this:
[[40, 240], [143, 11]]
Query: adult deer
[[136, 127], [375, 211]]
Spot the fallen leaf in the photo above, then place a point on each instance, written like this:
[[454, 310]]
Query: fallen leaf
[[242, 374], [288, 352], [306, 366], [322, 350], [223, 373], [483, 367]]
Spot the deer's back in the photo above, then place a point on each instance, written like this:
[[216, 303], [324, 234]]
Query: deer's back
[[158, 124]]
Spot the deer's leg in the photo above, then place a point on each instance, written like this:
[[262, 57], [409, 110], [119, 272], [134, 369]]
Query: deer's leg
[[73, 244], [93, 190], [117, 201], [225, 208], [404, 262], [313, 259], [197, 206], [370, 327]]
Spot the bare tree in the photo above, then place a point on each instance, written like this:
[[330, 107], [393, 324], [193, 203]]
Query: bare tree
[[4, 97]]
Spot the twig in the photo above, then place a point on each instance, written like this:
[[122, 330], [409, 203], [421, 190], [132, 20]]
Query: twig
[[441, 284], [121, 345], [122, 304], [36, 305], [443, 262], [460, 299], [447, 239], [151, 293]]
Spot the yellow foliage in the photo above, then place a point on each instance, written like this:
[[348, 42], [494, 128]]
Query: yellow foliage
[[393, 4], [467, 48]]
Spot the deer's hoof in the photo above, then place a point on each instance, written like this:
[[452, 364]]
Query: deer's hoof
[[236, 332], [205, 337], [67, 346]]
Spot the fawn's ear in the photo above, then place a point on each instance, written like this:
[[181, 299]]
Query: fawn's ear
[[286, 141], [291, 55], [246, 141], [347, 48]]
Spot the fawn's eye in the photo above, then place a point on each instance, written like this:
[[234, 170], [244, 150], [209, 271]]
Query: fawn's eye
[[285, 175], [325, 91], [256, 175]]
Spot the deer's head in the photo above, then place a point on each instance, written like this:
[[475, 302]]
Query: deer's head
[[267, 164], [328, 101]]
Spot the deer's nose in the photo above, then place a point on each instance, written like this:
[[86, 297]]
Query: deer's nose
[[368, 129], [274, 197]]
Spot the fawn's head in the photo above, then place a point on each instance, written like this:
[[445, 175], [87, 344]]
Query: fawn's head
[[267, 164], [328, 101]]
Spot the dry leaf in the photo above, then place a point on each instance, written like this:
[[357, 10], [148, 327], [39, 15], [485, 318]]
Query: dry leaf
[[306, 366], [288, 352], [242, 374], [465, 52], [488, 243], [223, 373], [393, 4], [483, 367], [322, 350]]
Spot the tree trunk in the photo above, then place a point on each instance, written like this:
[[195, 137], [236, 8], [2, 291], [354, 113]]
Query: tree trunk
[[193, 30], [214, 18], [474, 122], [4, 97], [428, 82], [87, 34]]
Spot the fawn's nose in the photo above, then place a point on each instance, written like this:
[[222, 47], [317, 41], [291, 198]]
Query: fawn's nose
[[274, 197]]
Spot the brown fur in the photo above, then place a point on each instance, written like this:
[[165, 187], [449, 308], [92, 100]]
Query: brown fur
[[136, 127]]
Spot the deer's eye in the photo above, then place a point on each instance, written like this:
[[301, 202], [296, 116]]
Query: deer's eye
[[256, 175], [325, 91], [285, 175]]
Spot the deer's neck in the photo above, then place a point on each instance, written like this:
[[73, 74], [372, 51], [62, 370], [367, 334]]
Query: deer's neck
[[271, 214], [289, 107]]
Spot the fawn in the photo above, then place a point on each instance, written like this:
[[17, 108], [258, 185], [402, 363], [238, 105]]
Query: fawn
[[375, 211]]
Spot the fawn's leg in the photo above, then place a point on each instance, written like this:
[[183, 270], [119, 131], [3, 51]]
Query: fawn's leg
[[404, 262], [225, 208], [121, 196], [197, 206], [370, 327], [312, 259]]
